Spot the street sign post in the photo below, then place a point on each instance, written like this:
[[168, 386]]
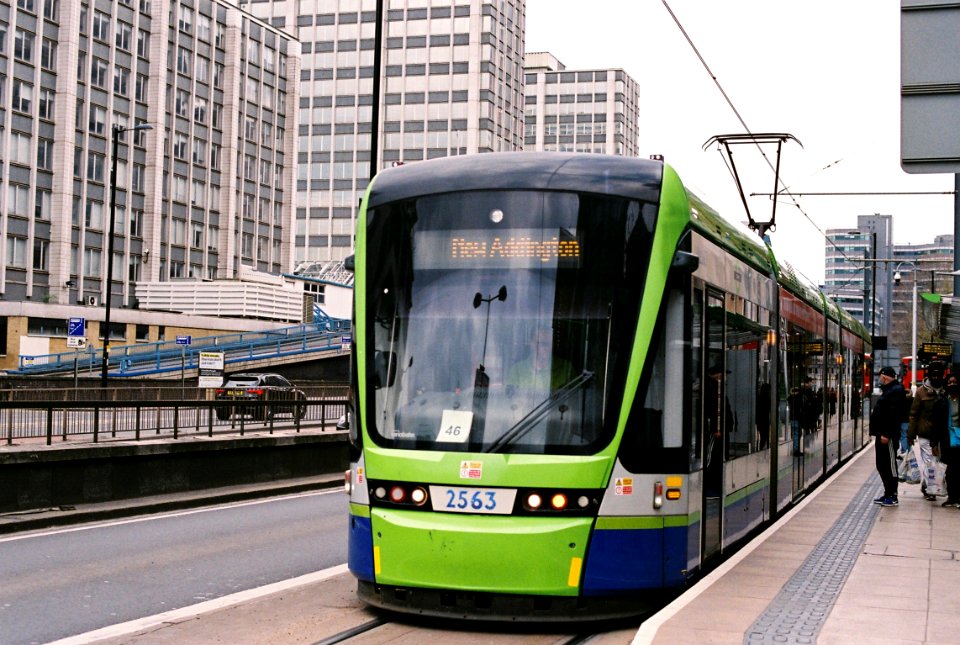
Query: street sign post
[[211, 369], [75, 327], [183, 341], [76, 339]]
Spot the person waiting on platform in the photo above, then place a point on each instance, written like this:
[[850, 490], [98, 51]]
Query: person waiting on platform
[[950, 453], [885, 426], [929, 414]]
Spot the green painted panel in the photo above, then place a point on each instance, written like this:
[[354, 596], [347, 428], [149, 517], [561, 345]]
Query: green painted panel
[[645, 523], [359, 510], [360, 299], [674, 521], [496, 469], [628, 523], [746, 491], [672, 220], [480, 553]]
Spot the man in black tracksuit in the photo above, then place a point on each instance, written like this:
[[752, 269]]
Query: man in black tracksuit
[[885, 422]]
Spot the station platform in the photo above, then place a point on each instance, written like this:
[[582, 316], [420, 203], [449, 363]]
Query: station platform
[[836, 569]]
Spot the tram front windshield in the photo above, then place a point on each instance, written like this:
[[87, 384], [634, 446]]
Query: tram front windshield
[[495, 319]]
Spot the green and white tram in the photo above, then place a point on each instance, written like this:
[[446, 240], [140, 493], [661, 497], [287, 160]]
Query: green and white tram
[[574, 387]]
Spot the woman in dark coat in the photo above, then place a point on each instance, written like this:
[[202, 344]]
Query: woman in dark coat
[[948, 455]]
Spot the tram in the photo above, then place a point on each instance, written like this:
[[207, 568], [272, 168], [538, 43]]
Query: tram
[[576, 387]]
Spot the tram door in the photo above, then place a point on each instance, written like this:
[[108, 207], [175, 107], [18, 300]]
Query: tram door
[[715, 419]]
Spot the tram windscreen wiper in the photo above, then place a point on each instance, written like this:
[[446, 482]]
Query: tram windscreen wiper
[[534, 416]]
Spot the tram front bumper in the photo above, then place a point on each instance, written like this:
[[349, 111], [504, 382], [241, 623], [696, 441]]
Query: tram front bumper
[[479, 552]]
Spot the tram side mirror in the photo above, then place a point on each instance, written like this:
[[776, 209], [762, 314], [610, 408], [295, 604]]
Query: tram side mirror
[[686, 261], [349, 263], [384, 369]]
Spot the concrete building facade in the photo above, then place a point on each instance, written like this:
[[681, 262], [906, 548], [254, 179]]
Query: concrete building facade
[[850, 274], [207, 189], [849, 279], [451, 83], [928, 265], [579, 110]]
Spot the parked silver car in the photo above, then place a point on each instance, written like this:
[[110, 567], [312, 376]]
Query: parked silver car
[[282, 396]]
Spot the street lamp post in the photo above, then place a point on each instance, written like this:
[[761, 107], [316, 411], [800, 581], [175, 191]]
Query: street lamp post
[[870, 289], [116, 131], [913, 337], [873, 285]]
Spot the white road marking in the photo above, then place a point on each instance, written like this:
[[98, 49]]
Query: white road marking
[[165, 514], [175, 615]]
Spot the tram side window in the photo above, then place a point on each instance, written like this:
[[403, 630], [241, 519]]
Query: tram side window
[[784, 383], [696, 369], [831, 389], [844, 399], [654, 439], [745, 378], [804, 360]]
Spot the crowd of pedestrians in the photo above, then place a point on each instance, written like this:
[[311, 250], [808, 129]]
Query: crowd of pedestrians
[[922, 428]]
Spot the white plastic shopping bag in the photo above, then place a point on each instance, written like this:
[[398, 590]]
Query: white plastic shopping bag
[[934, 473], [909, 470]]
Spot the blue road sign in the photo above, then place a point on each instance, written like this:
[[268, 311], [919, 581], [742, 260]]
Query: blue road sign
[[184, 340], [75, 327]]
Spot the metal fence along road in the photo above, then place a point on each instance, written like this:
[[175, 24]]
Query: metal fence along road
[[148, 418]]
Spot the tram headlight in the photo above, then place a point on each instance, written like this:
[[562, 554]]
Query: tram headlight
[[418, 496], [534, 501], [379, 492], [558, 501]]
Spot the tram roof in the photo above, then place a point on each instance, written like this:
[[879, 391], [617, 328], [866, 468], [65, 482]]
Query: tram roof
[[589, 173]]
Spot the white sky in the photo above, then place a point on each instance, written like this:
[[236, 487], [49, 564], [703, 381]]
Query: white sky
[[825, 71]]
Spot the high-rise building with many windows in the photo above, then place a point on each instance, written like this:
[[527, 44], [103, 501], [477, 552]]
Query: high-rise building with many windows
[[207, 189], [579, 110], [262, 127], [853, 277], [452, 79]]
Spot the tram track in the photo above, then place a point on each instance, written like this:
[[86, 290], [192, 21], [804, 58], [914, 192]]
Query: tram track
[[398, 630]]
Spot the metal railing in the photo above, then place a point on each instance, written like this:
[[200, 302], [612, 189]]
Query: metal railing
[[168, 356], [75, 415]]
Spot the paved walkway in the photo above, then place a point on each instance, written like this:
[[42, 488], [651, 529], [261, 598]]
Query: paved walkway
[[838, 569]]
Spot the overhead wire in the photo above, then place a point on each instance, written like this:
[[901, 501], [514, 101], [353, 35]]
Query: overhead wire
[[726, 97]]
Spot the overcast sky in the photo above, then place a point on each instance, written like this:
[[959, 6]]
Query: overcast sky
[[825, 71]]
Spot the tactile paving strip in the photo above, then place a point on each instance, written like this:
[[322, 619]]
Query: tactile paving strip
[[801, 608]]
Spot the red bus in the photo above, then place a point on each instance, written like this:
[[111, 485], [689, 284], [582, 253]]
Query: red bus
[[906, 372]]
